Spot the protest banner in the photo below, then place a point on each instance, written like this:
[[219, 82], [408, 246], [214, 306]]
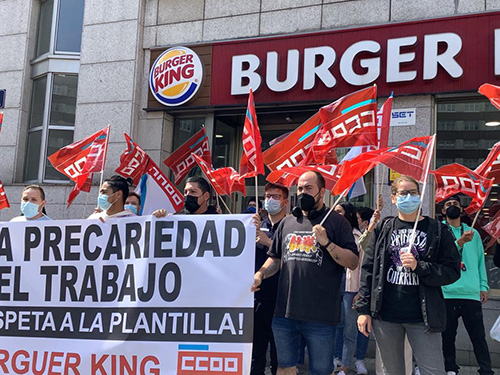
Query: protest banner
[[136, 295]]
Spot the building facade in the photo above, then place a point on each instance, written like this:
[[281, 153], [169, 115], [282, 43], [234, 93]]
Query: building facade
[[71, 67]]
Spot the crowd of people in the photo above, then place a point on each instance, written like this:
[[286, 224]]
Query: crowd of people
[[327, 279]]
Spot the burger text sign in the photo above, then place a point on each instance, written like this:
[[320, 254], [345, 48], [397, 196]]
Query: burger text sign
[[176, 76]]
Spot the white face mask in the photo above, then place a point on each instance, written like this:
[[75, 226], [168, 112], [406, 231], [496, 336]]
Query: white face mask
[[272, 206]]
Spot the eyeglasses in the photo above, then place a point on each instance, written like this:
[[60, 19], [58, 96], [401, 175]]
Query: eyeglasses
[[276, 197], [404, 193]]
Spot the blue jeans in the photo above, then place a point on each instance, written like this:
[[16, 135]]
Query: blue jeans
[[361, 346], [319, 343], [350, 329], [339, 328]]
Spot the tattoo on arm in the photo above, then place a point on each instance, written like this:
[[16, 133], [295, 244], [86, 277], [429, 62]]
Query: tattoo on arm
[[271, 269]]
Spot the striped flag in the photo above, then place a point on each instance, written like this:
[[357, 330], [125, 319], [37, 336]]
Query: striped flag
[[252, 162]]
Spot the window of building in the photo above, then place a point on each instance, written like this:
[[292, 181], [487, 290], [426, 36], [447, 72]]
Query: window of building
[[55, 83], [472, 141]]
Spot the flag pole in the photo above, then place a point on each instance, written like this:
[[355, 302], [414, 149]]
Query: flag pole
[[428, 167], [333, 207], [105, 156], [475, 219], [224, 203], [256, 193]]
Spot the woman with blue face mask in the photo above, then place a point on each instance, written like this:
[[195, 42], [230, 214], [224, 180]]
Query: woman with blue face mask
[[400, 290], [111, 200], [32, 204]]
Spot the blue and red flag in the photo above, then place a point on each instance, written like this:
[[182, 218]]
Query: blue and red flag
[[252, 162]]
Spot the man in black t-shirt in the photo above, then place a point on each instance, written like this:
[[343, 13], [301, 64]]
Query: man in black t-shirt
[[311, 258], [401, 287]]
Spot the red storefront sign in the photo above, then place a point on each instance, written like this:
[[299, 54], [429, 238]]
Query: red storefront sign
[[455, 54]]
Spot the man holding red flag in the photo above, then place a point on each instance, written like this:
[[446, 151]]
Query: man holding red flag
[[464, 297]]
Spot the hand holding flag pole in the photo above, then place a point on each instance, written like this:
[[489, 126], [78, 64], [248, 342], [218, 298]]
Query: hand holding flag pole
[[334, 205]]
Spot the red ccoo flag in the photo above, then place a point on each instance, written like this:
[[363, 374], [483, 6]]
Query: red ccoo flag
[[384, 123], [490, 168], [349, 121], [80, 160], [224, 180], [492, 92], [251, 163], [133, 161], [181, 161], [4, 202], [410, 158], [493, 227], [286, 176], [455, 178]]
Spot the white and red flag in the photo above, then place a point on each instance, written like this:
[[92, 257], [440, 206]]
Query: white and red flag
[[492, 92], [1, 120], [348, 122], [384, 123], [4, 202], [410, 158], [181, 161], [156, 190], [251, 163], [224, 180], [455, 178], [490, 168], [287, 175], [80, 160], [493, 227]]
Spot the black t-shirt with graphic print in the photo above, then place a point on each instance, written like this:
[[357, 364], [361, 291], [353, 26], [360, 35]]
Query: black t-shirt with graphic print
[[309, 283], [401, 297]]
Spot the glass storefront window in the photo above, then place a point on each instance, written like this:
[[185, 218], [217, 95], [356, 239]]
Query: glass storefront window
[[463, 137], [33, 156], [69, 26], [38, 102]]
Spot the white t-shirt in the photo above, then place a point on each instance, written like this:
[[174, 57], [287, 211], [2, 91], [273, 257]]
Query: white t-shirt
[[104, 215], [24, 218]]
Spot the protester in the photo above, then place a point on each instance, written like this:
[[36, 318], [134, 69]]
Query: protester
[[312, 258], [111, 200], [251, 207], [133, 202], [401, 289], [197, 195], [276, 200], [464, 297], [32, 204]]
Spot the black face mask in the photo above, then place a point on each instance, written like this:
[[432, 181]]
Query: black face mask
[[453, 212], [305, 202], [191, 203]]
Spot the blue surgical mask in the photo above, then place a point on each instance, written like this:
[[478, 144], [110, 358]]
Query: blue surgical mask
[[272, 206], [29, 209], [103, 203], [132, 208], [408, 204]]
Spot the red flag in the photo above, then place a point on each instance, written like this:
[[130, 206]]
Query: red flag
[[251, 163], [4, 202], [292, 149], [384, 123], [455, 178], [350, 121], [133, 161], [224, 180], [1, 121], [287, 175], [492, 92], [181, 161], [493, 227], [490, 168], [410, 158], [80, 160]]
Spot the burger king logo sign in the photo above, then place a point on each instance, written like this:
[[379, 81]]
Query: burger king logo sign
[[176, 76]]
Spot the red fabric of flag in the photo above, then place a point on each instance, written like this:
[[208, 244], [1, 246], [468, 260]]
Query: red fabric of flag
[[492, 92], [384, 123], [288, 175], [181, 161], [410, 158], [133, 161], [455, 178], [1, 120], [490, 168], [4, 202], [78, 161], [349, 121], [493, 227], [292, 149], [224, 180], [251, 163]]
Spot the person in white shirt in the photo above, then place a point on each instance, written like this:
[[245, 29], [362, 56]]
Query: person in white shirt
[[32, 204], [111, 200]]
